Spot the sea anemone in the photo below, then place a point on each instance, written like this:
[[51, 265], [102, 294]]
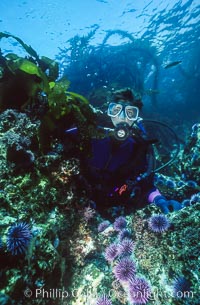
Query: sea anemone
[[104, 300], [139, 291], [124, 234], [181, 287], [159, 223], [18, 238], [124, 270], [111, 252], [126, 247], [103, 226], [120, 223]]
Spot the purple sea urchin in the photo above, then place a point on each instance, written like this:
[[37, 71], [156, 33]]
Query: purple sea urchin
[[139, 291], [181, 287], [126, 247], [103, 226], [191, 183], [111, 252], [160, 181], [195, 198], [170, 184], [124, 270], [120, 223], [180, 183], [18, 238], [185, 203], [104, 300], [159, 223], [124, 234]]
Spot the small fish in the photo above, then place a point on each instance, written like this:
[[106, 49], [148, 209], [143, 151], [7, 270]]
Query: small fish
[[102, 1], [128, 11], [173, 64], [151, 91]]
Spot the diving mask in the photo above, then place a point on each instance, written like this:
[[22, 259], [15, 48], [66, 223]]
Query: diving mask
[[115, 109]]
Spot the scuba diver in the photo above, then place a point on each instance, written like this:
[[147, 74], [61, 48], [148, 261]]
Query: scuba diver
[[119, 169]]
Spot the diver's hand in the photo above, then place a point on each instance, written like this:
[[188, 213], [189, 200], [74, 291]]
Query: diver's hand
[[167, 206]]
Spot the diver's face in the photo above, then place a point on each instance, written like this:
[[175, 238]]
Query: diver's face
[[122, 113]]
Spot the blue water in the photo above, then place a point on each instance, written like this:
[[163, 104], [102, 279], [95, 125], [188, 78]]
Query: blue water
[[170, 28]]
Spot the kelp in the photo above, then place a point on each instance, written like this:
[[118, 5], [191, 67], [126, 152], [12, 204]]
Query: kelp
[[23, 78], [21, 81], [28, 49], [15, 63], [57, 100], [142, 52], [111, 66], [65, 109], [51, 65], [44, 62]]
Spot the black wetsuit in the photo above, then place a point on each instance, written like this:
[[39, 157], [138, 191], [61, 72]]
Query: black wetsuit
[[114, 171]]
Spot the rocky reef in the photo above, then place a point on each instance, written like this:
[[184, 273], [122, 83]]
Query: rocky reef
[[54, 248], [37, 192], [168, 261]]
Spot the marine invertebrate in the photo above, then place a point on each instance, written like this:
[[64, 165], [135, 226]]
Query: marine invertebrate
[[120, 223], [180, 184], [139, 291], [66, 170], [103, 226], [185, 202], [125, 269], [88, 213], [191, 183], [158, 223], [104, 300], [18, 238], [126, 247], [195, 198], [170, 184], [124, 234], [111, 252], [181, 287], [160, 180]]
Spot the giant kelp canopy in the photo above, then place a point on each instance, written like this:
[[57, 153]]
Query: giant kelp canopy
[[109, 67]]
